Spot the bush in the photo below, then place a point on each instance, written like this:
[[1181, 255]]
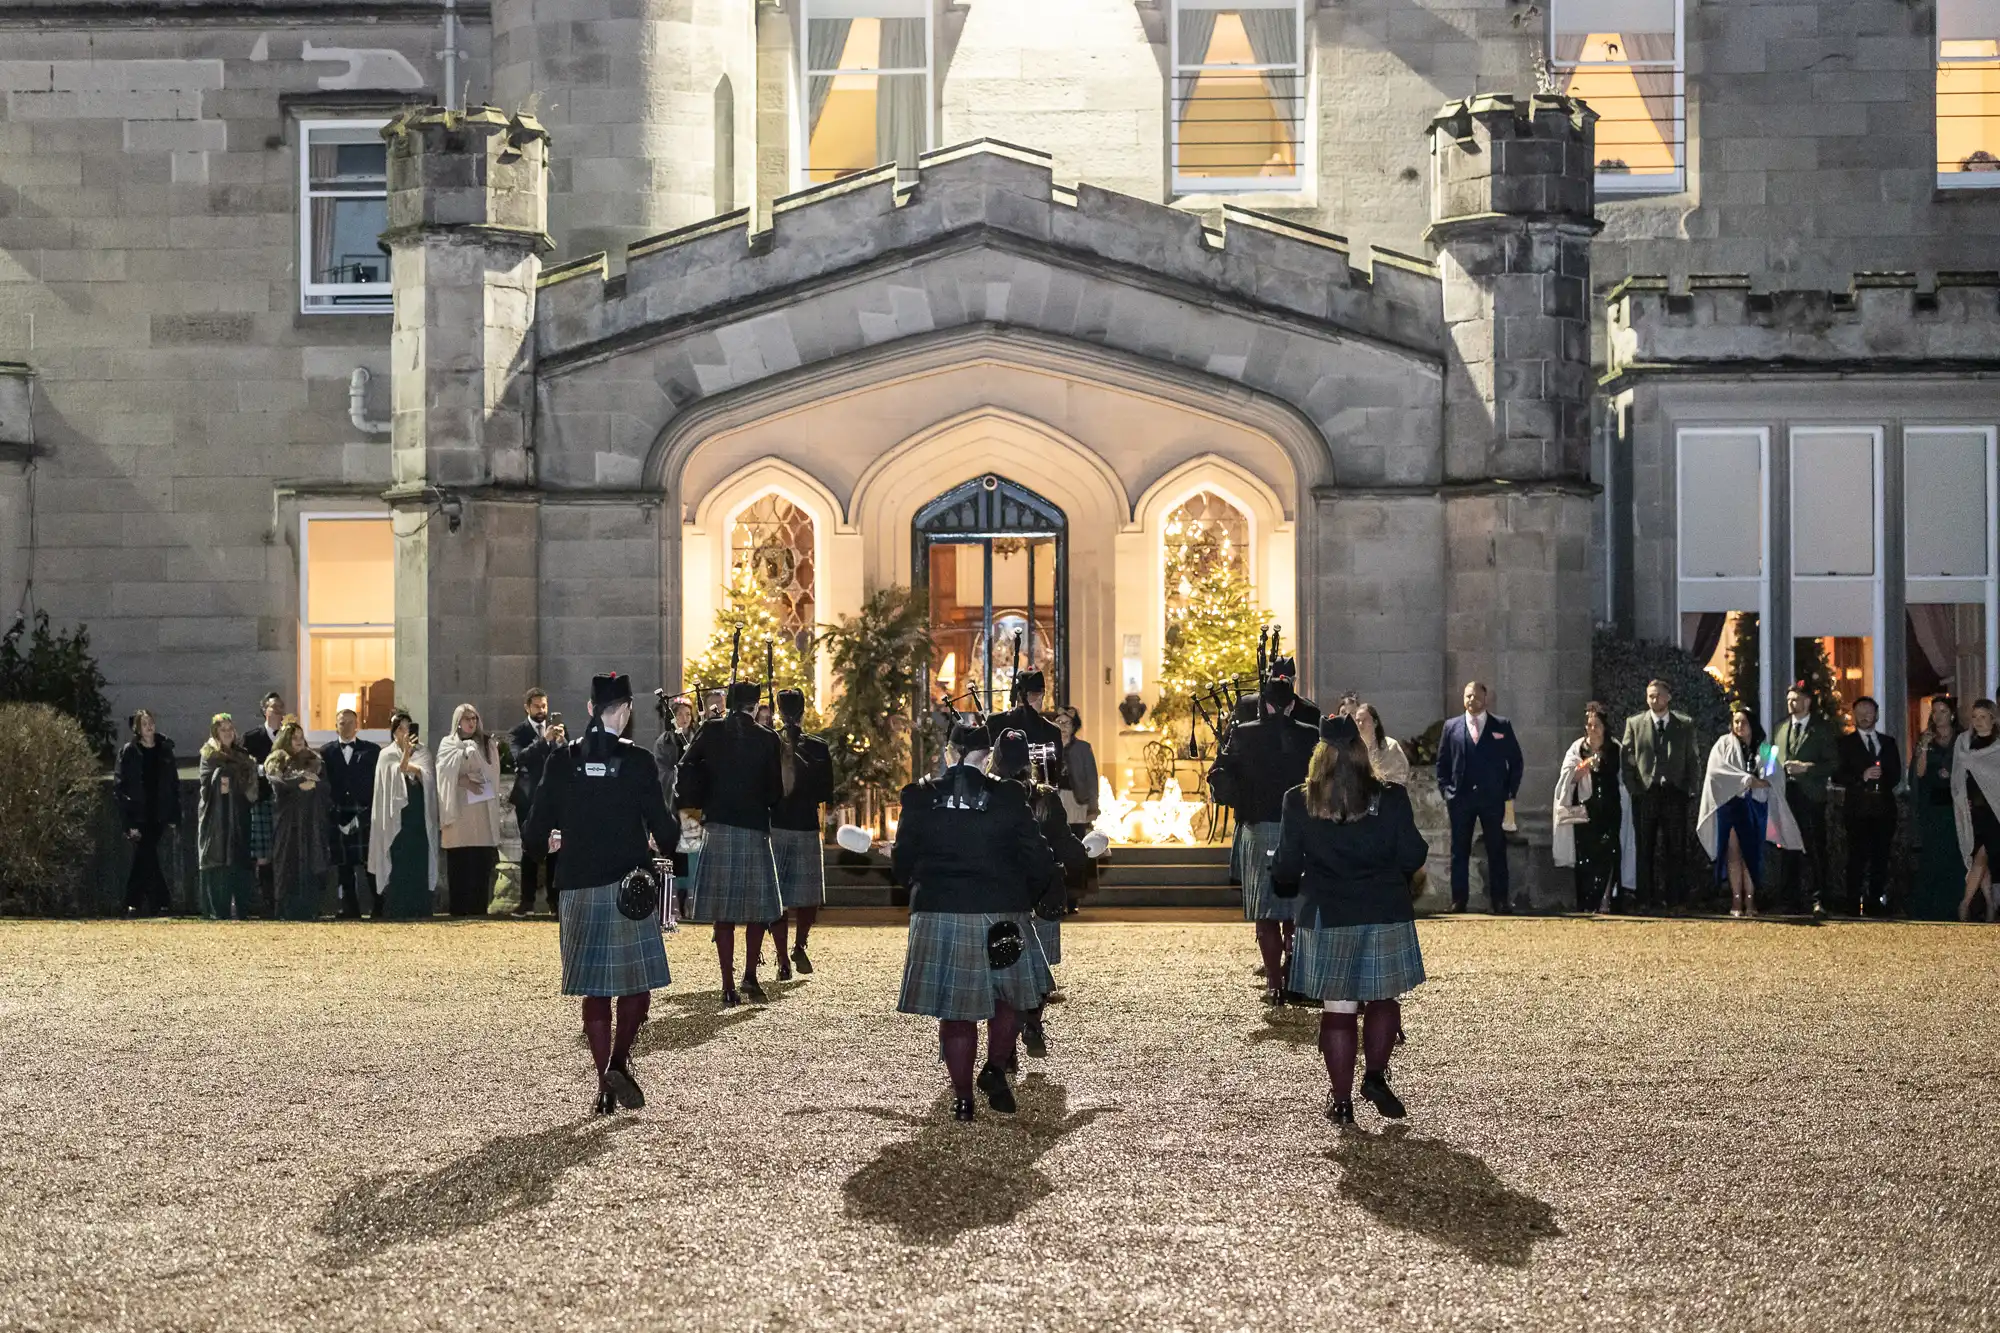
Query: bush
[[879, 656], [1620, 669], [42, 666], [50, 790]]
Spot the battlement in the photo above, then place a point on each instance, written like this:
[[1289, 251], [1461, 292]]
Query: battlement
[[476, 169], [1894, 319], [1504, 156], [987, 191]]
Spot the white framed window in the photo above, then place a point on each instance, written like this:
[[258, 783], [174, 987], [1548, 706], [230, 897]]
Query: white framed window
[[1722, 532], [1626, 59], [1837, 551], [1951, 556], [868, 77], [347, 619], [1238, 95], [1968, 94], [343, 209]]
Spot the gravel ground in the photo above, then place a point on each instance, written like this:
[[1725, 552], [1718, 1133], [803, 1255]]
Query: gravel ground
[[1614, 1124]]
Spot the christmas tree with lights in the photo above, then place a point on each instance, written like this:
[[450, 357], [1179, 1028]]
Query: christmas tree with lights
[[1212, 623], [751, 605]]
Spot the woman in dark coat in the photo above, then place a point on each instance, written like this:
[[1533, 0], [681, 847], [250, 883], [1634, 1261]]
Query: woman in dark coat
[[229, 791], [1940, 871], [149, 799], [301, 860], [1347, 847]]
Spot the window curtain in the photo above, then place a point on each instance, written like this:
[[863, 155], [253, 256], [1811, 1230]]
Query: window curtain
[[900, 118], [826, 40], [1656, 85], [1708, 634], [1952, 639], [322, 163], [1197, 31]]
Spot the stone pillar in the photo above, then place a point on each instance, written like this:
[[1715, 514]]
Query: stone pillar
[[1513, 212], [467, 232]]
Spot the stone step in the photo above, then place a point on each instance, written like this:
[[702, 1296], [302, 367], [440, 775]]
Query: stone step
[[1168, 855], [1125, 876]]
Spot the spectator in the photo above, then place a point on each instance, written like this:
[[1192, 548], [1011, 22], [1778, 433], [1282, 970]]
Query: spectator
[[259, 742], [534, 737], [1940, 870], [674, 739], [301, 820], [1869, 771], [1975, 796], [229, 792], [1805, 750], [1736, 809], [350, 779], [763, 715], [1347, 847], [1659, 764], [1593, 823], [149, 798], [1391, 764], [1478, 773], [403, 827], [1079, 795], [468, 785]]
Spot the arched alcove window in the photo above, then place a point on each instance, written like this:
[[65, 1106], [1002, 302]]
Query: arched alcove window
[[774, 538], [1200, 532], [725, 145]]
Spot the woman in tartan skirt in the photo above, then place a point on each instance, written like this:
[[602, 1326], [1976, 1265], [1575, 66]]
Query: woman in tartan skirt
[[598, 802], [975, 864], [805, 767], [733, 774], [1347, 847]]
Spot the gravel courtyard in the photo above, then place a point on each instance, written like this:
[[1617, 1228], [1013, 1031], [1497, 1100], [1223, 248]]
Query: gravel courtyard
[[1614, 1124]]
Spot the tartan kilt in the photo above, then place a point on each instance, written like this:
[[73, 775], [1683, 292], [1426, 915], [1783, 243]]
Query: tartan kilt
[[1050, 934], [1257, 841], [1236, 855], [801, 862], [1373, 962], [736, 878], [262, 836], [946, 974], [605, 952], [350, 849]]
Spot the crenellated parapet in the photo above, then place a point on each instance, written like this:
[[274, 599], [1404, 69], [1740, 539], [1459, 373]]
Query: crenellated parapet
[[1000, 196], [1887, 320]]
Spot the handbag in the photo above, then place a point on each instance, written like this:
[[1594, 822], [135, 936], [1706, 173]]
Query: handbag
[[639, 894], [1004, 945]]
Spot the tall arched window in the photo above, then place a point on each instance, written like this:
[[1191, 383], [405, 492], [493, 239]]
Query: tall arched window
[[1201, 532], [774, 538]]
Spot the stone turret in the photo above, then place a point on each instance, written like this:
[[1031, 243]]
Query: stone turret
[[468, 226]]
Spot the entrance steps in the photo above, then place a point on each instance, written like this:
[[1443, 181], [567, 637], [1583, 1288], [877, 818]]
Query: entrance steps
[[1127, 877]]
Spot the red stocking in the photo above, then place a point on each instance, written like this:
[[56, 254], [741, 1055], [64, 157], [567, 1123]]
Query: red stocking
[[1385, 1020], [1269, 943], [632, 1011], [753, 948], [777, 929], [1336, 1044], [806, 916], [960, 1041], [597, 1029], [1001, 1031], [725, 954]]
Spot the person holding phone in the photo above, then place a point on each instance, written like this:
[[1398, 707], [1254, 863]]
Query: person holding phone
[[468, 785], [403, 826]]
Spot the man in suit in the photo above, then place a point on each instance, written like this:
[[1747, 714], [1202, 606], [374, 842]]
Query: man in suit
[[258, 741], [1804, 745], [533, 739], [1869, 769], [350, 775], [1478, 772], [1661, 772]]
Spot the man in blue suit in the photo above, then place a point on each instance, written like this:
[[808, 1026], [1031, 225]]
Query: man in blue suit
[[1478, 772]]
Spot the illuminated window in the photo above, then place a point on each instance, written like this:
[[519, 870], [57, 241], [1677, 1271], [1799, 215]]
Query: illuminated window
[[1238, 94], [343, 209], [773, 538], [347, 598], [1623, 57], [868, 85], [1202, 532], [1968, 93]]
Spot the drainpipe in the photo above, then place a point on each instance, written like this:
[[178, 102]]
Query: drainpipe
[[357, 404], [450, 54]]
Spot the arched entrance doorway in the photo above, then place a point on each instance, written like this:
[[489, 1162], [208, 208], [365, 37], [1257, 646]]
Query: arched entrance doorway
[[994, 556]]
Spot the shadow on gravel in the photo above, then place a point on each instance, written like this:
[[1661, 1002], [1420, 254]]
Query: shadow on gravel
[[680, 1022], [1297, 1026], [1443, 1193], [511, 1174], [949, 1178]]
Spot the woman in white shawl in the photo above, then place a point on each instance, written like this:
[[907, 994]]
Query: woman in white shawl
[[1742, 808], [1975, 799], [403, 827], [1593, 821], [468, 785], [1385, 755]]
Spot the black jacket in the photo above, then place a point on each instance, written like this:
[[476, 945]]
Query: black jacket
[[351, 787], [1263, 760], [968, 843], [1864, 799], [258, 742], [1064, 846], [812, 785], [1354, 874], [1039, 731], [1302, 710], [531, 755], [730, 773], [131, 785], [604, 794]]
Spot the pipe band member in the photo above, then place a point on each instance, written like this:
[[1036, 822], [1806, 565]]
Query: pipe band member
[[1348, 846], [1301, 709], [733, 774], [1031, 688], [1013, 762], [598, 802], [975, 864], [805, 768], [1265, 758]]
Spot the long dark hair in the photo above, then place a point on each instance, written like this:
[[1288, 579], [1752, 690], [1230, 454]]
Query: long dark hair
[[1341, 782], [1756, 727]]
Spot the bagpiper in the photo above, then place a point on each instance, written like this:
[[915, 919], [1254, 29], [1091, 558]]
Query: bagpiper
[[733, 774], [1031, 688], [805, 766], [1013, 761], [1264, 759]]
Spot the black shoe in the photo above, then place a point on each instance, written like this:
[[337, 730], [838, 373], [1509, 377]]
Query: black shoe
[[999, 1096], [801, 962], [1502, 909], [962, 1109], [1375, 1087], [606, 1103], [1273, 997], [784, 970], [730, 999], [522, 913], [751, 988], [1035, 1040], [625, 1088], [1339, 1112]]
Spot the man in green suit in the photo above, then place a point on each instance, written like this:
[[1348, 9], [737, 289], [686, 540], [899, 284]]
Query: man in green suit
[[1807, 747], [1661, 771]]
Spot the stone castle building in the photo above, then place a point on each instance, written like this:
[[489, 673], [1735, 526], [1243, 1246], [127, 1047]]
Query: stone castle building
[[316, 385]]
